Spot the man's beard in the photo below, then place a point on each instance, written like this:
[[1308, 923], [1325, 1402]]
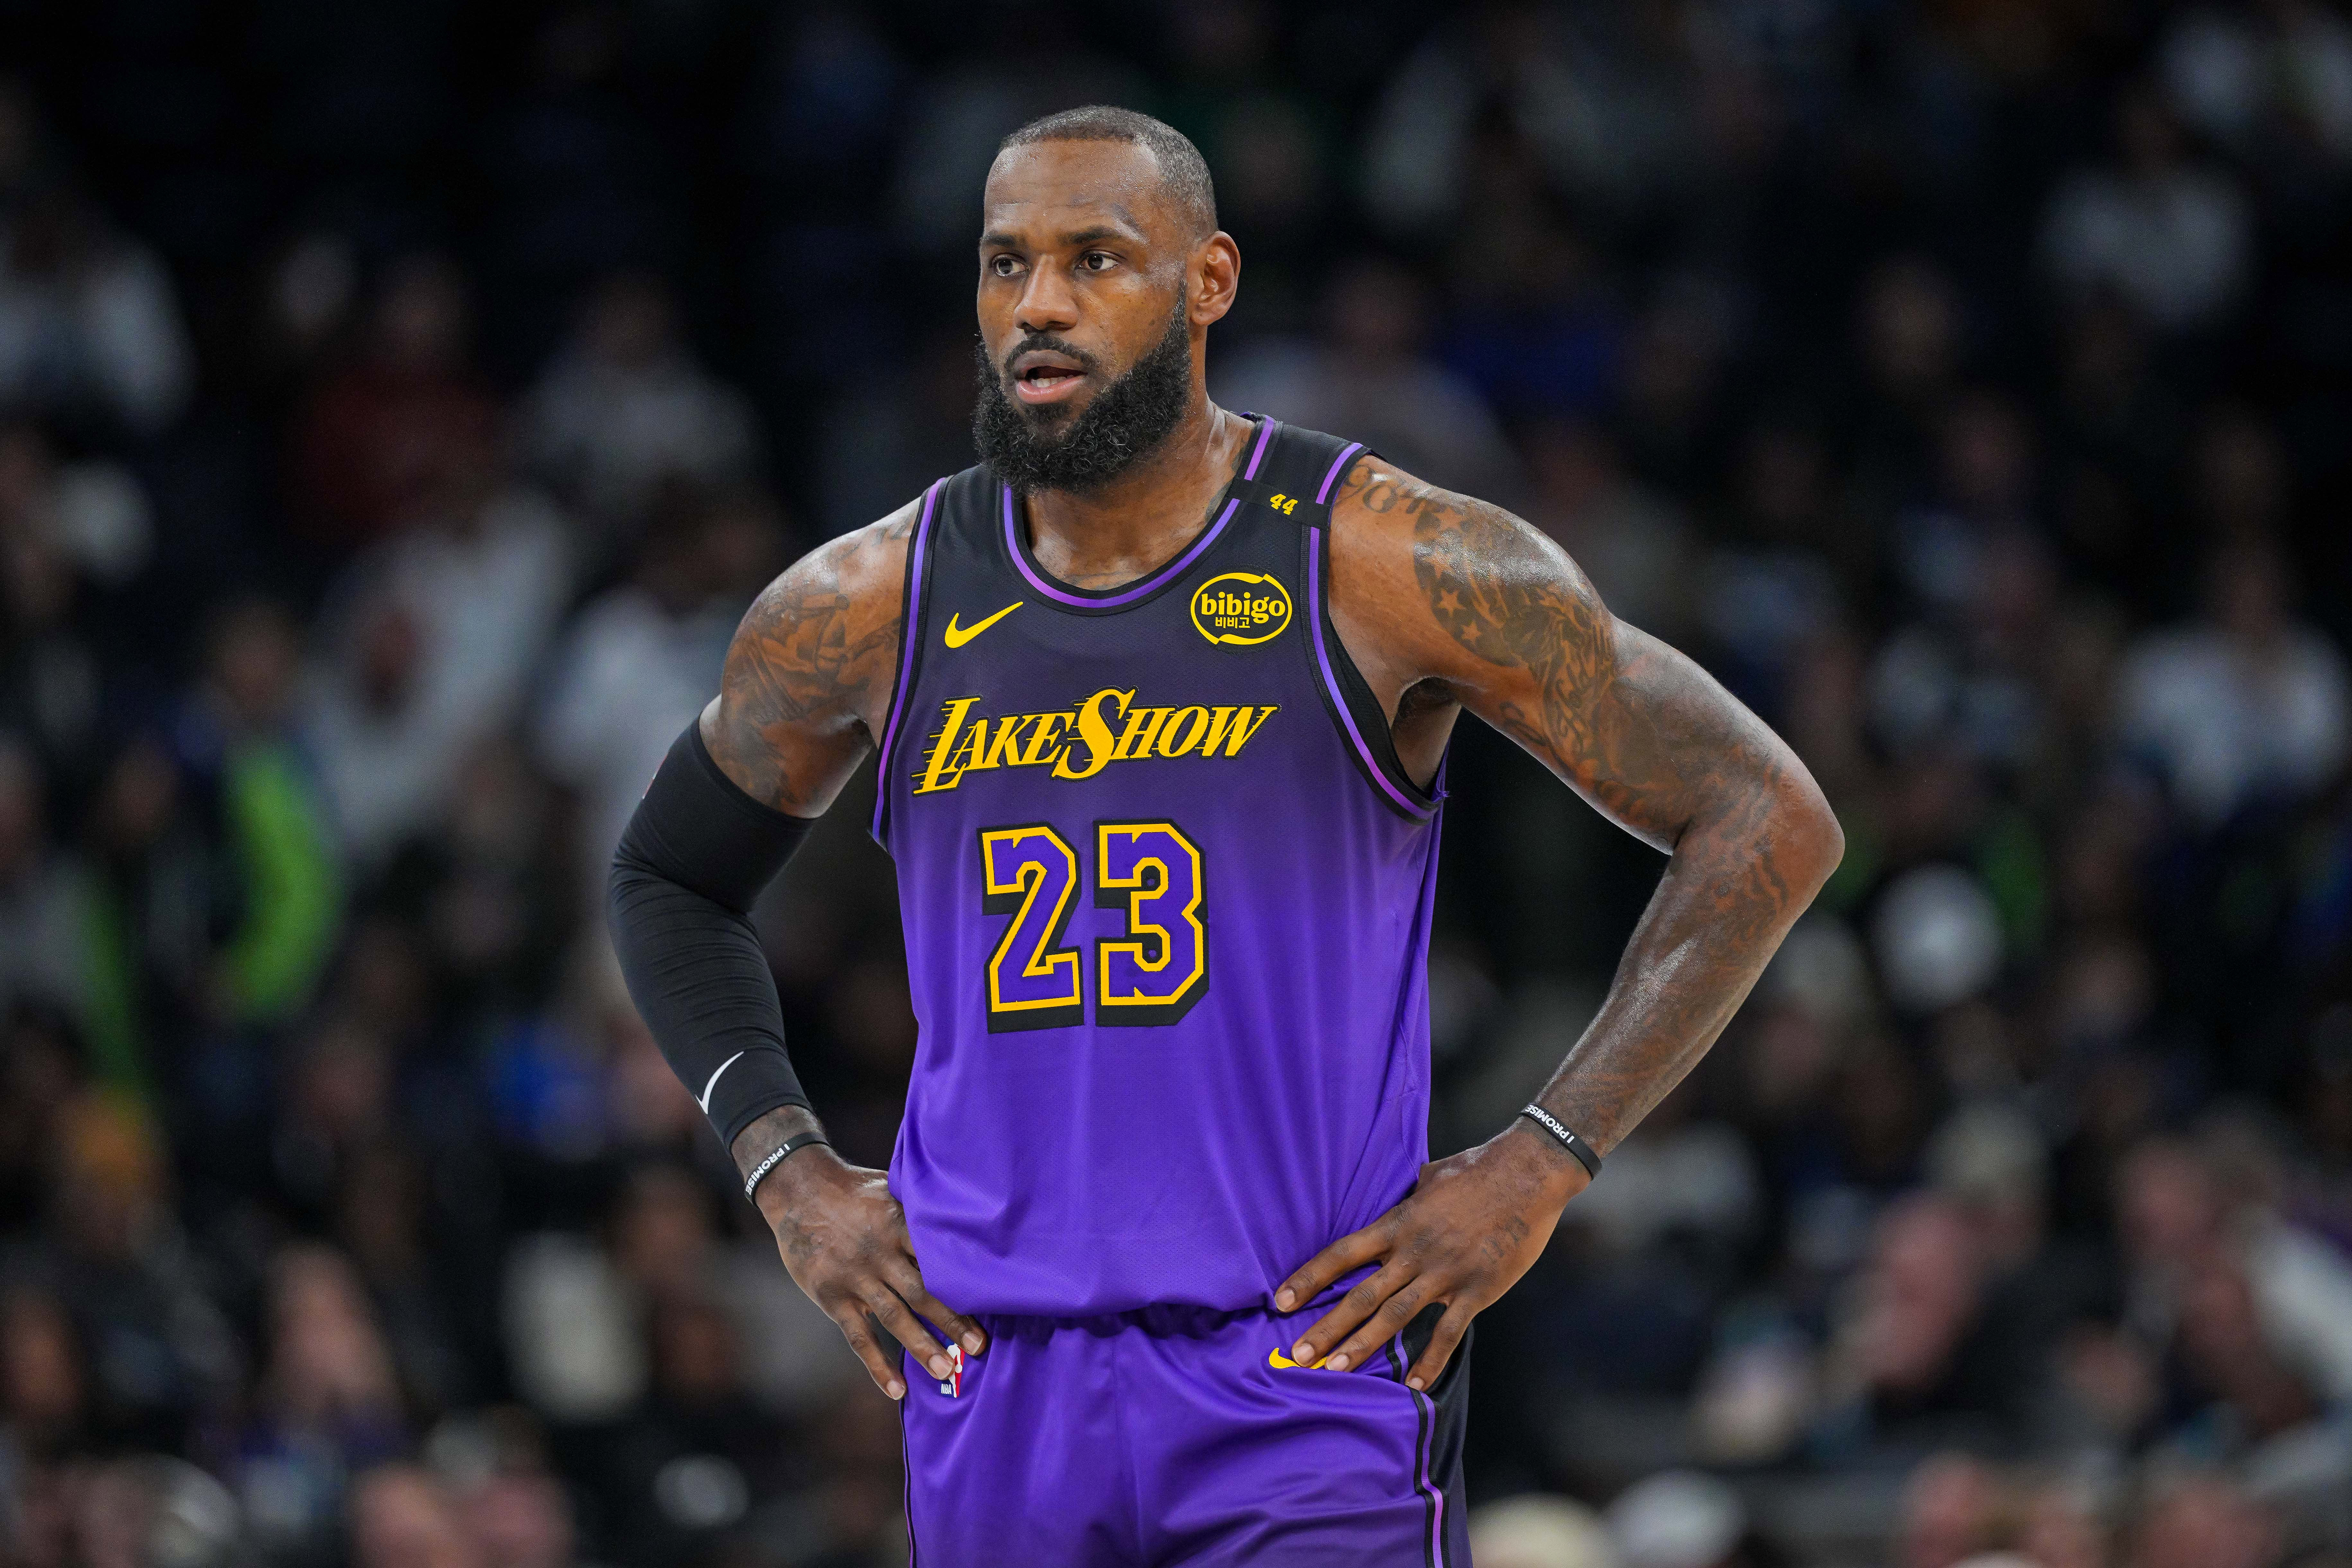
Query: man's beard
[[1124, 424]]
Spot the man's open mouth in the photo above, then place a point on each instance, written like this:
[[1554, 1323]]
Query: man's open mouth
[[1042, 376]]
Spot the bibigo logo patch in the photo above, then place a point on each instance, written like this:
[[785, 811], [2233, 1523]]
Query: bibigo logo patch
[[1241, 609]]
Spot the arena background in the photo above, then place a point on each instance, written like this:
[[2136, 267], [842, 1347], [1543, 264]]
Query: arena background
[[400, 403]]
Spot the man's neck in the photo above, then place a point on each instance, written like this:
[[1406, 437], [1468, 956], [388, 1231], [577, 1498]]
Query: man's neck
[[1142, 519]]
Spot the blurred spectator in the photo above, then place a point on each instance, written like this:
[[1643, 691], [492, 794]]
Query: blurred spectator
[[489, 879], [90, 334], [1598, 96], [697, 1455], [2203, 1257], [1530, 329], [2261, 76], [23, 152], [150, 1510], [45, 901], [579, 183], [973, 101], [383, 1216], [69, 533], [329, 1406], [2245, 702], [1910, 341], [1691, 1180], [1771, 587], [823, 105], [1676, 362], [2173, 239], [1937, 1358], [2119, 425], [236, 738], [625, 407], [160, 1351], [2240, 489], [446, 624], [95, 512], [523, 1519], [885, 442], [1981, 495], [2062, 1529], [1679, 1518], [312, 288], [1370, 378], [1950, 1505], [643, 659], [569, 1327], [44, 1385], [374, 441], [1534, 1531], [402, 1518], [2203, 1522], [1271, 147]]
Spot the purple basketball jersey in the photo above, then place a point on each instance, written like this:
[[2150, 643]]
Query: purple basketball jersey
[[1167, 899]]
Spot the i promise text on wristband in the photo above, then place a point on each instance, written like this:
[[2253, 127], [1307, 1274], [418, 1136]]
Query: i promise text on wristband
[[1585, 1153], [782, 1152]]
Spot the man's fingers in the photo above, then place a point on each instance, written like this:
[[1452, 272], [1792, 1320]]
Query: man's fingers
[[1362, 1299], [1350, 1251], [1403, 1304], [1431, 1361], [909, 1331], [851, 1320], [907, 1279]]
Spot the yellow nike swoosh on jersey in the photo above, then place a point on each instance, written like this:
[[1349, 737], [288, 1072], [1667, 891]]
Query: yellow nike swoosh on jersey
[[958, 636], [1275, 1357]]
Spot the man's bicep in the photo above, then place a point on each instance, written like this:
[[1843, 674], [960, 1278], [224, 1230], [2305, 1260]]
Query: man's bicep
[[808, 675], [1525, 642]]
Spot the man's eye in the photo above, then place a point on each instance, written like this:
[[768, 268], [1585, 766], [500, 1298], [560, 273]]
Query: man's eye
[[1004, 266], [1097, 260]]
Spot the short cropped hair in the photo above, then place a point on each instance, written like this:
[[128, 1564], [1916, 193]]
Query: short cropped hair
[[1183, 170]]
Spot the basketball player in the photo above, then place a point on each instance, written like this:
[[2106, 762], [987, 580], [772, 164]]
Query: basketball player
[[1162, 694]]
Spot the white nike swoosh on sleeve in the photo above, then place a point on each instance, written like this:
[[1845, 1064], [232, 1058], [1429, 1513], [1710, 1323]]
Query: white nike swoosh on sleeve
[[706, 1088]]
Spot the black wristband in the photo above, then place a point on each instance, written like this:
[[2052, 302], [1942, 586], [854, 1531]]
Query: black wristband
[[778, 1155], [1584, 1152]]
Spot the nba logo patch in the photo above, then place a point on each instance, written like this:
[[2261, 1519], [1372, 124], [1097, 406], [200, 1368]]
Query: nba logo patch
[[952, 1384]]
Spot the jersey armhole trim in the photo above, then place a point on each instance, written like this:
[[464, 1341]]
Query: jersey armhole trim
[[1349, 698], [1339, 465], [910, 651]]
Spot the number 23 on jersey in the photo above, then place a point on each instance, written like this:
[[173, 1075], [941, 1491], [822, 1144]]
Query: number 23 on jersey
[[1152, 975]]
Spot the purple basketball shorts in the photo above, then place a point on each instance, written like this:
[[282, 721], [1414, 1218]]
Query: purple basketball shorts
[[1178, 1434]]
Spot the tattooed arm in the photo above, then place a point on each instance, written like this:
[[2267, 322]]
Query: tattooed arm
[[1450, 603], [809, 674], [806, 685]]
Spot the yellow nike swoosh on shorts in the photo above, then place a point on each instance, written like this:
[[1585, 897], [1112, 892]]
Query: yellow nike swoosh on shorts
[[1276, 1359], [958, 636]]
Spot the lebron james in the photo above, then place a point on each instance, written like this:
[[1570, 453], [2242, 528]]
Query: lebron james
[[1160, 694]]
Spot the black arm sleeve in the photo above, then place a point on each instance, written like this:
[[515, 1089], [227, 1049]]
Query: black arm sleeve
[[694, 858]]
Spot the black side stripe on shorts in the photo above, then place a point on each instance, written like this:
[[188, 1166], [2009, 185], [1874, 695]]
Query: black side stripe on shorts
[[906, 1496], [1421, 1415]]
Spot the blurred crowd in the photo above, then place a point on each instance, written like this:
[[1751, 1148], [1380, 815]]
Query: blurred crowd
[[399, 405]]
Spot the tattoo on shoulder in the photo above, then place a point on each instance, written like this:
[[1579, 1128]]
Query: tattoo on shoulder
[[812, 651], [1511, 598]]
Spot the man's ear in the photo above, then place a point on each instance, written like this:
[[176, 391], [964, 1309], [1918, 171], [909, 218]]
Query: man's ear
[[1213, 280]]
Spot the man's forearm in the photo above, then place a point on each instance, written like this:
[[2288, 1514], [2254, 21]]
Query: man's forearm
[[1728, 896], [693, 859]]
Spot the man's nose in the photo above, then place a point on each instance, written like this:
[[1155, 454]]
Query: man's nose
[[1048, 304]]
